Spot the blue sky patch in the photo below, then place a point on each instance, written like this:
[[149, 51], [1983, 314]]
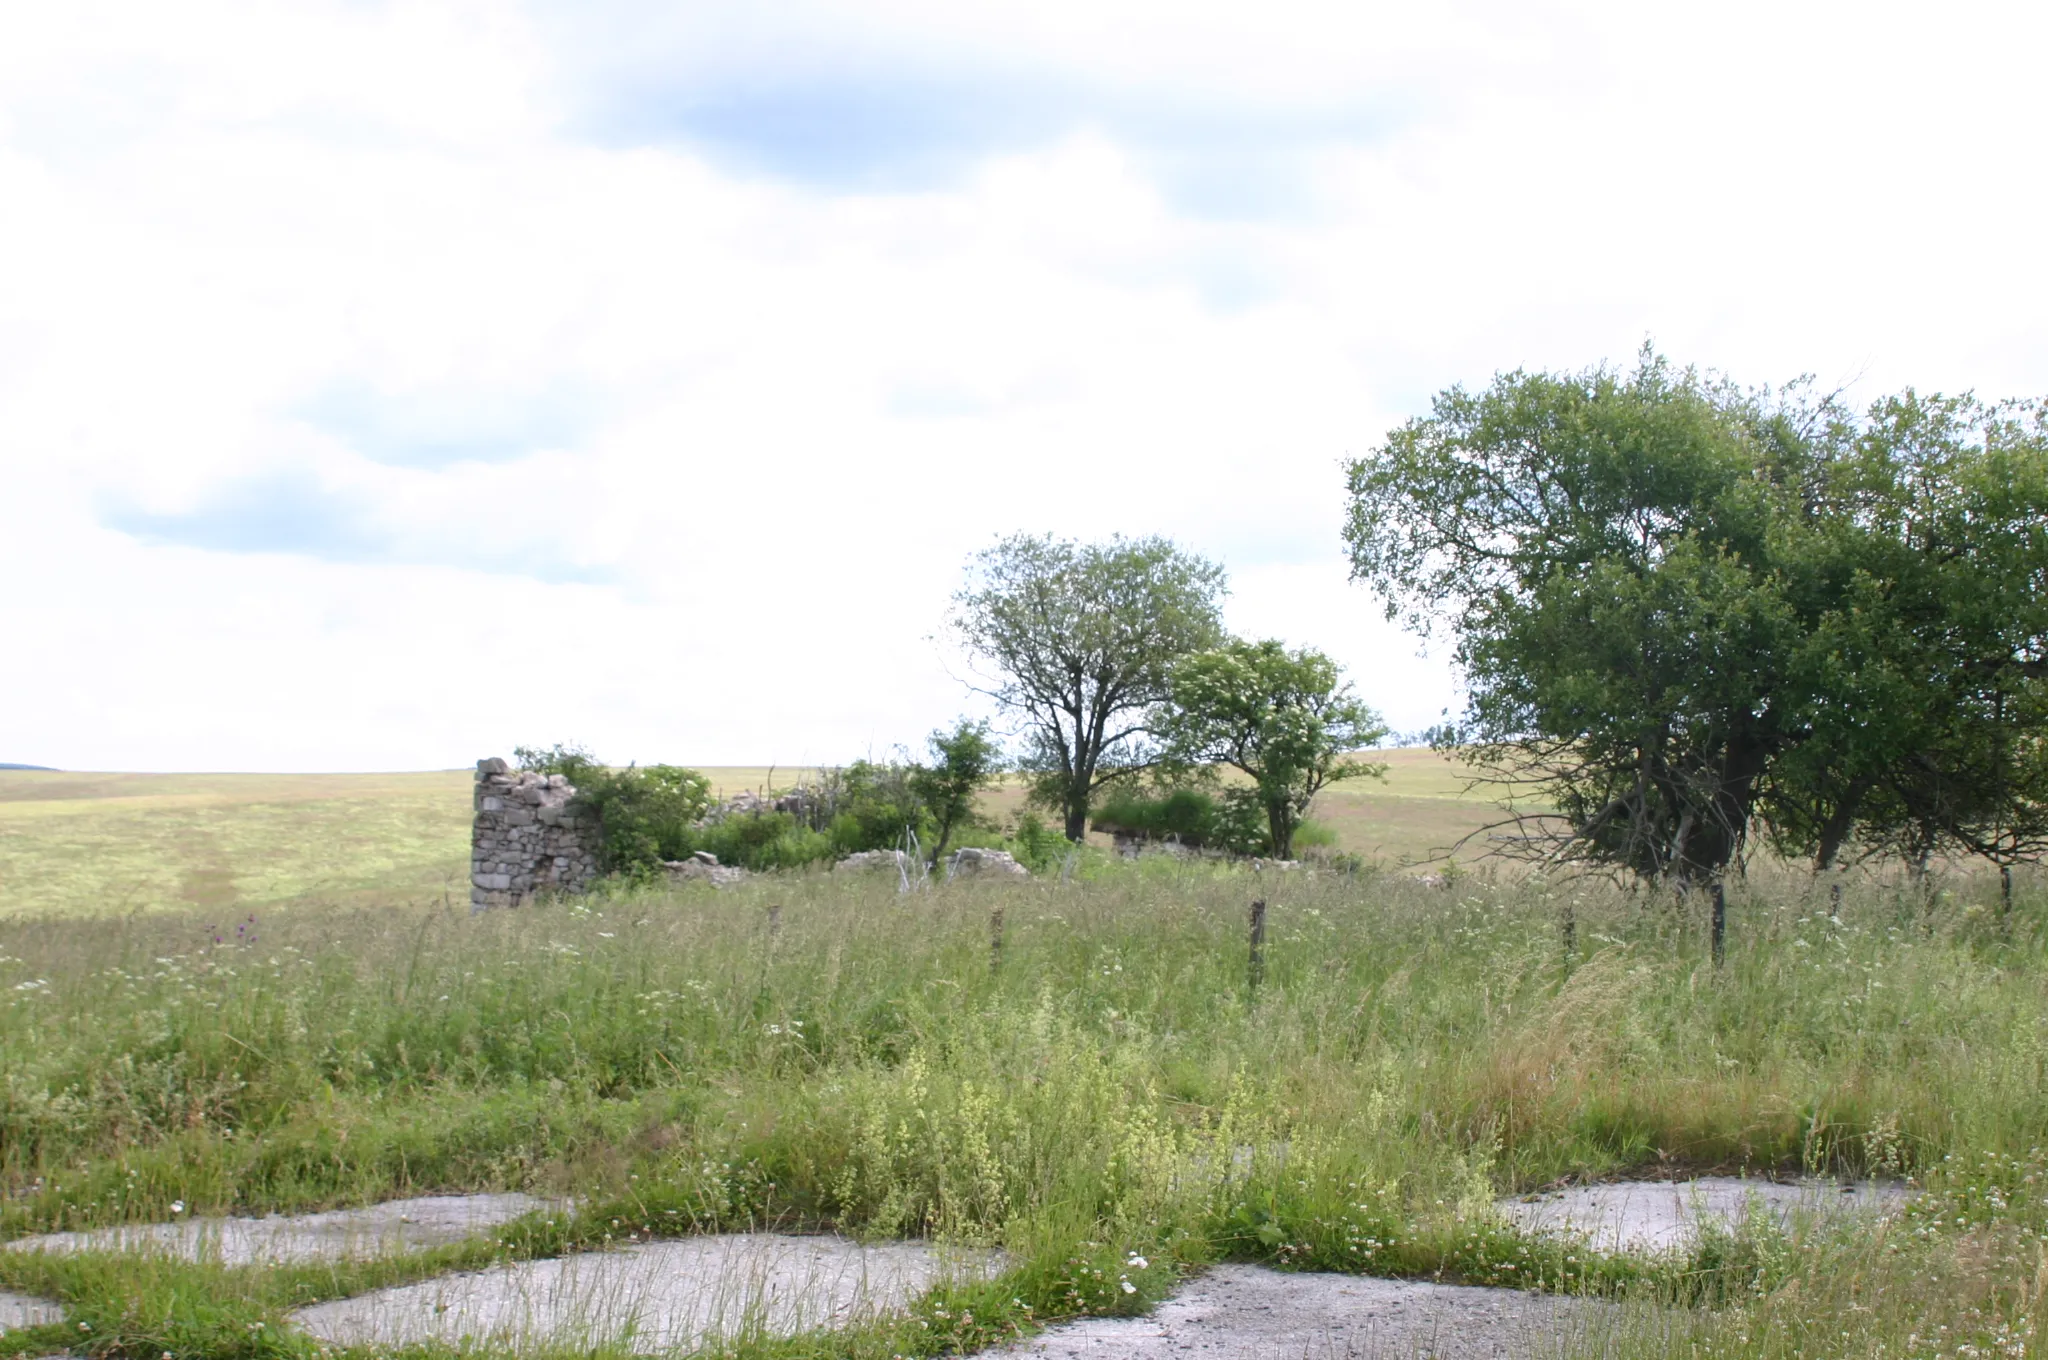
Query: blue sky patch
[[439, 427], [290, 512], [868, 122]]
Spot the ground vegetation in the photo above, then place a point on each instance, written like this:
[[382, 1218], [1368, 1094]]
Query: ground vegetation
[[1113, 1090]]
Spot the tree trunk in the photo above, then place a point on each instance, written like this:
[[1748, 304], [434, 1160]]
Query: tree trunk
[[1834, 832], [1280, 829], [1077, 820]]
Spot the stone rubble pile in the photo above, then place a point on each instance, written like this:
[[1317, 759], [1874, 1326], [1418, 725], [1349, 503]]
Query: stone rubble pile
[[798, 802], [527, 838], [703, 867], [972, 862], [977, 863], [869, 861]]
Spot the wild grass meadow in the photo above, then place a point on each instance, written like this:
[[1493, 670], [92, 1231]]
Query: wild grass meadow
[[1080, 1072]]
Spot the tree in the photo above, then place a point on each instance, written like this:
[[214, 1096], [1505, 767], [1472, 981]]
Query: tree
[[1687, 611], [1285, 719], [1938, 514], [965, 761], [1082, 637]]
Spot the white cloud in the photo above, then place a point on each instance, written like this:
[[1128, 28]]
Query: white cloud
[[764, 416]]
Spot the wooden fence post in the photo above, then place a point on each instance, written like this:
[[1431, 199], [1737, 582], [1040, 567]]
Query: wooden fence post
[[1257, 973], [995, 938], [1720, 901]]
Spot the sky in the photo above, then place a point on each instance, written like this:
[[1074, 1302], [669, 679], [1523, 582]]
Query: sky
[[383, 385]]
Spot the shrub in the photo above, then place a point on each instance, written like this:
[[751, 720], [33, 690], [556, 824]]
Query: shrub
[[648, 813], [872, 804], [966, 760], [762, 840], [1230, 821], [1038, 846], [1314, 839], [573, 762]]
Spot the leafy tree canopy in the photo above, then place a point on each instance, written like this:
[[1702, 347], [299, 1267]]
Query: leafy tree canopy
[[1285, 719], [1686, 610], [965, 761], [1081, 638]]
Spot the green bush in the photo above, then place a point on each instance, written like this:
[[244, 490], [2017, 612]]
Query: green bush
[[1230, 821], [657, 812], [1038, 846], [762, 840], [870, 806], [648, 813], [1314, 838]]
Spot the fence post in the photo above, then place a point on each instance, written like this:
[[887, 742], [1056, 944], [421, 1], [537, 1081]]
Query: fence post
[[1257, 973], [1719, 896], [1571, 936], [2005, 890], [995, 938]]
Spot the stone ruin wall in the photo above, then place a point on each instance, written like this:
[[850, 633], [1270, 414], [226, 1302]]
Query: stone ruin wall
[[526, 839]]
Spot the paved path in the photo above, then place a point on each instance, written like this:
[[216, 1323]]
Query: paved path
[[1653, 1217], [19, 1310], [341, 1234], [655, 1296], [1251, 1313]]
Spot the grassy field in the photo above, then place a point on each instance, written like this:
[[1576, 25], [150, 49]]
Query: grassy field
[[1109, 1084], [254, 993], [228, 843], [232, 844]]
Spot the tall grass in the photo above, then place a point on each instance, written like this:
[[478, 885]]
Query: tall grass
[[1113, 1088]]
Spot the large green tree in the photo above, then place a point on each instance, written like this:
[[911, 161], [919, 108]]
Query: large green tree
[[1686, 610], [1081, 638], [1286, 719]]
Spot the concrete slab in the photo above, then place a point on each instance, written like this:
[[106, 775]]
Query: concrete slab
[[381, 1229], [19, 1310], [656, 1296], [1240, 1312], [1665, 1216]]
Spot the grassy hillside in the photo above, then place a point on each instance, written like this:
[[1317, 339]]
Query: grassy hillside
[[89, 844]]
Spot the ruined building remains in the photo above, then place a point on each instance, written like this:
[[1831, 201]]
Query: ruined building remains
[[527, 838]]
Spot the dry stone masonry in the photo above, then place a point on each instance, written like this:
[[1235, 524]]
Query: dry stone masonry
[[527, 838]]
